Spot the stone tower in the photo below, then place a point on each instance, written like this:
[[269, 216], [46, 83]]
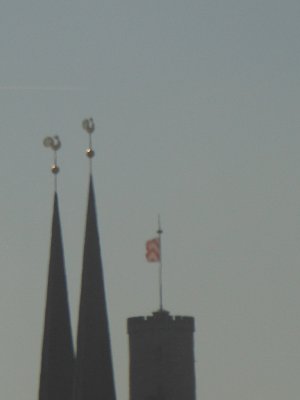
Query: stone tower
[[161, 351]]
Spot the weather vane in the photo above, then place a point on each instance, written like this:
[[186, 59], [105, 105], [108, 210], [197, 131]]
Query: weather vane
[[54, 143], [89, 126]]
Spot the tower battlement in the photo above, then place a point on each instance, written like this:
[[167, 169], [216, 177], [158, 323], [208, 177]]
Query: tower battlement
[[160, 320]]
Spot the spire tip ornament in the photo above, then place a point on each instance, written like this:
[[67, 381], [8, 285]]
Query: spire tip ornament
[[89, 126], [55, 169], [55, 144]]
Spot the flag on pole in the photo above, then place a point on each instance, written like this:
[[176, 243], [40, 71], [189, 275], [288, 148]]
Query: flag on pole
[[153, 250]]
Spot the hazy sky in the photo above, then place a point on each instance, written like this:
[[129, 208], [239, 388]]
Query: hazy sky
[[196, 105]]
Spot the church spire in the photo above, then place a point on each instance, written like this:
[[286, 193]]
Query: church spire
[[57, 352], [94, 371]]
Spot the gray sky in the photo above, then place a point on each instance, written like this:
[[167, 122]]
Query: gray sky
[[196, 106]]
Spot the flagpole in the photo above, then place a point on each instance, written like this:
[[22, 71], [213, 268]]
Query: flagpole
[[159, 232]]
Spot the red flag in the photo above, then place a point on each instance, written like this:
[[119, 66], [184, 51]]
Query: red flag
[[153, 250]]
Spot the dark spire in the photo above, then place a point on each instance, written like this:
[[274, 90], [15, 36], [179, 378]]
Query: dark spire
[[56, 377], [93, 371]]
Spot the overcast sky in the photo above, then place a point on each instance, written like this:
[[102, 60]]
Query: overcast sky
[[196, 106]]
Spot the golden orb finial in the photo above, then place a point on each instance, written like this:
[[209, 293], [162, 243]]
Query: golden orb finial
[[90, 152], [55, 169]]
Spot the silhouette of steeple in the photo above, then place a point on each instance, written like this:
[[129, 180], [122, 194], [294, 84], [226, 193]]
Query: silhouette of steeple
[[56, 376], [93, 371]]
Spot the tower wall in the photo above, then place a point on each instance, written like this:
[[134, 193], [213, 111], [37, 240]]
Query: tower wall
[[161, 357]]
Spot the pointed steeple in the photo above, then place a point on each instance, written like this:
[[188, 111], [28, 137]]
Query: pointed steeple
[[56, 376], [94, 371]]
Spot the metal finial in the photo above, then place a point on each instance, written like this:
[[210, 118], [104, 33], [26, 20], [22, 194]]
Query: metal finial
[[89, 126], [54, 143]]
